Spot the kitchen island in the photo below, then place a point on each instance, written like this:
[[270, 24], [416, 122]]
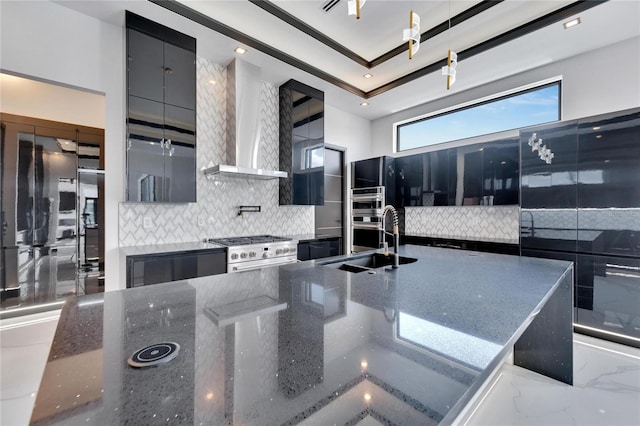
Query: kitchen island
[[311, 343]]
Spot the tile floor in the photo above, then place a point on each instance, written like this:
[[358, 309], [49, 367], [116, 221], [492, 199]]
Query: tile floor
[[24, 348], [606, 389]]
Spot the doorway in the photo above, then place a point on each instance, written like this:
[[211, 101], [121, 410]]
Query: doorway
[[51, 174]]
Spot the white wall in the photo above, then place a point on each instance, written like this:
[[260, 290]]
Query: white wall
[[31, 98], [589, 87], [53, 43]]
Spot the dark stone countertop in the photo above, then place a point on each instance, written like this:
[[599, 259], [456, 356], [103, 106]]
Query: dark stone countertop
[[304, 341], [149, 249]]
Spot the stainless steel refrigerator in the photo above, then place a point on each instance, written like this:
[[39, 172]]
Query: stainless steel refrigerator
[[40, 215]]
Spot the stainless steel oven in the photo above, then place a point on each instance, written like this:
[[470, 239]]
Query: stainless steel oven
[[367, 205], [256, 252]]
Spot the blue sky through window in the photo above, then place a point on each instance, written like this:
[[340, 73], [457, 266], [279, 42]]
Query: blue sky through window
[[520, 110]]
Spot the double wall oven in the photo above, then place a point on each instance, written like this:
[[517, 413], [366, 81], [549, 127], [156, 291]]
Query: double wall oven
[[373, 187], [255, 252]]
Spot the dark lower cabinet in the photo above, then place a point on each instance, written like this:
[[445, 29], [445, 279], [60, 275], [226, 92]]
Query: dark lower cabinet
[[484, 246], [317, 249], [160, 268]]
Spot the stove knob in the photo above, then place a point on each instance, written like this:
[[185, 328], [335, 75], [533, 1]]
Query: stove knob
[[252, 254], [234, 256], [243, 255], [293, 249], [278, 252], [285, 250], [265, 255]]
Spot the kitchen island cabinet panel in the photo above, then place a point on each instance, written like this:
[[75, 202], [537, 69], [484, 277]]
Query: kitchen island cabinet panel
[[356, 334]]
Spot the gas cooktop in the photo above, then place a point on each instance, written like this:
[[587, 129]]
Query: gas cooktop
[[243, 241]]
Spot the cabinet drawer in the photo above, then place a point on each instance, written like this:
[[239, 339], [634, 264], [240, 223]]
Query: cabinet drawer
[[161, 268]]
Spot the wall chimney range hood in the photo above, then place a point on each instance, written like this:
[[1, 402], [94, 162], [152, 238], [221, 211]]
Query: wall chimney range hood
[[243, 125]]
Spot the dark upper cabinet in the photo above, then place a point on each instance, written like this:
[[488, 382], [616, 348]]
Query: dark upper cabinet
[[179, 76], [608, 189], [549, 185], [500, 171], [609, 161], [180, 154], [161, 116], [548, 189], [145, 66], [488, 174], [301, 144]]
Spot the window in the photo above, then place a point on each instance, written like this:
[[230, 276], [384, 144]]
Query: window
[[526, 108], [314, 157]]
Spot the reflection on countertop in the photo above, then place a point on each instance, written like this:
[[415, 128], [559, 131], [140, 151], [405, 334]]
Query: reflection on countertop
[[408, 346]]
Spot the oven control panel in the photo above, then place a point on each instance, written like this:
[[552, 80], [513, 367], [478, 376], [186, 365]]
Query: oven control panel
[[252, 252]]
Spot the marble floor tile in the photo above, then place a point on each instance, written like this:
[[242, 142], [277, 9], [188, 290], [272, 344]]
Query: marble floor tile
[[606, 391], [25, 345]]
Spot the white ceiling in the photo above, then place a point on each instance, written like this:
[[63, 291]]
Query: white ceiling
[[378, 31]]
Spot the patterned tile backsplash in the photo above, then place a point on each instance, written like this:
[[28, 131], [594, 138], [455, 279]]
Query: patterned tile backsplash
[[216, 212], [586, 218], [477, 223]]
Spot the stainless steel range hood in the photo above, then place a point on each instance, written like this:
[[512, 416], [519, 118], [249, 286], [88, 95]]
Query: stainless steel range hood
[[243, 125]]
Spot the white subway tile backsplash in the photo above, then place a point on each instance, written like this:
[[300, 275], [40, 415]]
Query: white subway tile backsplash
[[216, 212]]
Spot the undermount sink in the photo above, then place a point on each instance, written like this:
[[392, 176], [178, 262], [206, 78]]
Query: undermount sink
[[368, 263]]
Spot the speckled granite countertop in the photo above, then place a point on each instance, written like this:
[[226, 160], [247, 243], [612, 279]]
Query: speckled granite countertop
[[409, 346], [167, 248]]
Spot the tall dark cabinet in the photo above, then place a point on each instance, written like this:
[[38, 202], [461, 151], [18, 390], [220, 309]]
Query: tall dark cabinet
[[584, 206], [161, 113], [301, 144]]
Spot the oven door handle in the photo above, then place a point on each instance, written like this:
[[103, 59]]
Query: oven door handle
[[254, 267]]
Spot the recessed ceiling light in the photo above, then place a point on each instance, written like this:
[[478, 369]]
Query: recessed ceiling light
[[364, 103], [598, 136], [212, 82], [240, 50], [571, 23], [596, 128], [367, 75]]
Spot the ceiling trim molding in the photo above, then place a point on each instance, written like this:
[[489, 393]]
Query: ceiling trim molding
[[529, 27], [285, 16], [219, 27], [438, 29], [522, 30]]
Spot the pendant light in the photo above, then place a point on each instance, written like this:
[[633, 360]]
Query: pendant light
[[452, 59], [354, 7], [412, 34]]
